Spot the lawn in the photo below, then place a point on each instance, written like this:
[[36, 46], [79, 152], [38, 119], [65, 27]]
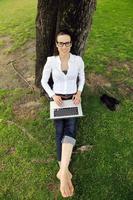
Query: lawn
[[111, 35], [17, 21], [27, 136]]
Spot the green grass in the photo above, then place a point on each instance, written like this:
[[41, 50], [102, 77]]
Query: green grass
[[111, 35], [27, 146], [28, 180], [17, 21], [103, 173]]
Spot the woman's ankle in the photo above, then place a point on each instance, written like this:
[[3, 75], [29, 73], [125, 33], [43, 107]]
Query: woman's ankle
[[64, 170]]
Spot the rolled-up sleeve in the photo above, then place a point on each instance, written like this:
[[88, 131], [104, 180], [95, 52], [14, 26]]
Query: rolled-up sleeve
[[45, 77], [81, 75]]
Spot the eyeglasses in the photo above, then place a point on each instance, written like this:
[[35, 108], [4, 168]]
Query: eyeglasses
[[67, 44]]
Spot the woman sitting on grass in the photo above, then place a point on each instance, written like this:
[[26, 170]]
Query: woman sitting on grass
[[65, 68]]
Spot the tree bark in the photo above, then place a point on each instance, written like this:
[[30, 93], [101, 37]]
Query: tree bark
[[53, 15]]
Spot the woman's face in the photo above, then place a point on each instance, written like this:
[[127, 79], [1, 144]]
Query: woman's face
[[63, 44]]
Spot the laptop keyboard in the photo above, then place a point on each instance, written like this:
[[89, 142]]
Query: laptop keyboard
[[65, 111]]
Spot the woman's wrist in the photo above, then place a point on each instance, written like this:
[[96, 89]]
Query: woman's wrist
[[79, 93]]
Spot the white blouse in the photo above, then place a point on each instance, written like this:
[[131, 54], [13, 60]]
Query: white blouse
[[63, 83]]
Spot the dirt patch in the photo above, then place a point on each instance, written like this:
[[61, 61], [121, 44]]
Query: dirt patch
[[27, 111], [36, 161], [96, 81], [27, 106], [121, 74], [11, 150], [24, 61], [121, 65], [125, 90], [53, 187], [6, 43]]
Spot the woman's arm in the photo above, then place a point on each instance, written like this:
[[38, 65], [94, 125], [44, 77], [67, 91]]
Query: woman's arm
[[77, 97], [81, 76], [45, 77]]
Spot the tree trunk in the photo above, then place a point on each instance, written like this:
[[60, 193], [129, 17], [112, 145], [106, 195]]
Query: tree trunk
[[53, 15]]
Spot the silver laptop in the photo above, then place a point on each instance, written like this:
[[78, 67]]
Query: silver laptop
[[66, 110]]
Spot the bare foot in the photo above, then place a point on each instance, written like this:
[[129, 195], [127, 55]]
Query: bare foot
[[66, 186], [58, 175]]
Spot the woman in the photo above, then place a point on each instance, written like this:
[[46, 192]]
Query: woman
[[65, 68]]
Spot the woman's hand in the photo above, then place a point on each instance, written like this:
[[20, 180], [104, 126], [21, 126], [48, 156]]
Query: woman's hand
[[58, 100], [77, 98]]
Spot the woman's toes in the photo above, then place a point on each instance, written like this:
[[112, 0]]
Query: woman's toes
[[63, 192], [71, 187], [68, 190]]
